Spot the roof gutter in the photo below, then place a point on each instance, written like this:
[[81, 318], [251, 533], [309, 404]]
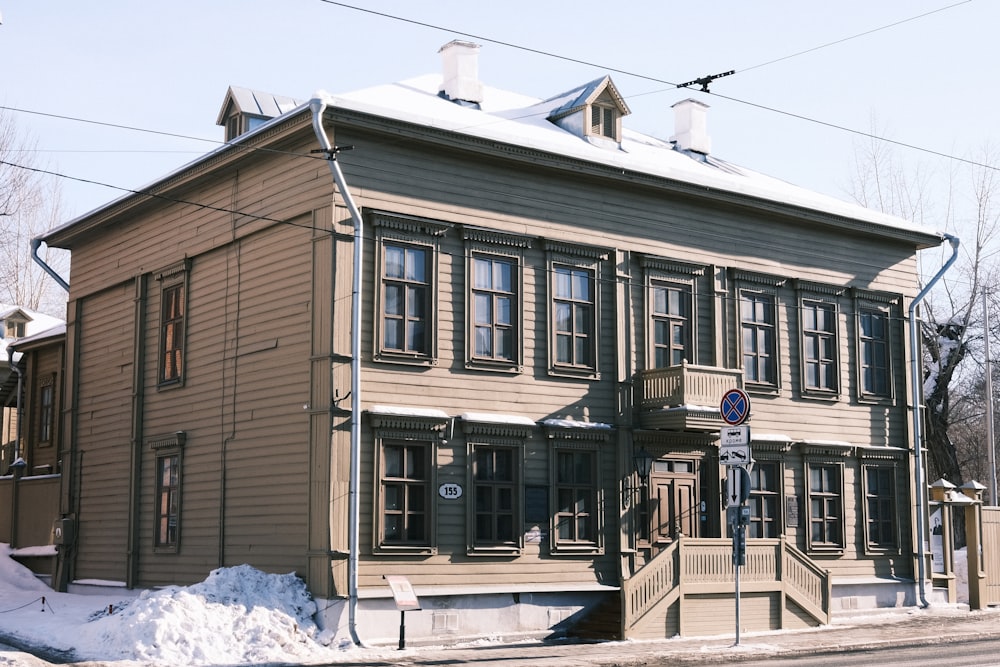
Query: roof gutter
[[918, 466], [318, 106], [35, 244]]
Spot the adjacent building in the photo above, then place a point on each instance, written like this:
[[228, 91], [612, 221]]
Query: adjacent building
[[551, 307]]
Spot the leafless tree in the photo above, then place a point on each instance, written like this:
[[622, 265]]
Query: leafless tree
[[29, 205], [963, 202]]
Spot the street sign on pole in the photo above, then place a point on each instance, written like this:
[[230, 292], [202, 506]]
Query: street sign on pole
[[737, 486]]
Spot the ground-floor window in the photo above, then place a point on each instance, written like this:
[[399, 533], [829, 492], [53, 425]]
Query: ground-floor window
[[880, 507], [168, 501], [575, 488], [405, 494], [765, 500], [826, 505]]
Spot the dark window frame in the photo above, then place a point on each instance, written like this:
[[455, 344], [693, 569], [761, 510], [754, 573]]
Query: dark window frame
[[757, 331], [875, 379], [584, 321], [46, 410], [766, 504], [568, 492], [494, 247], [881, 505], [819, 347], [414, 235], [406, 431], [826, 507], [167, 494], [174, 312]]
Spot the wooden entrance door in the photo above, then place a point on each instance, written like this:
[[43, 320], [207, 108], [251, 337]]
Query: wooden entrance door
[[674, 500]]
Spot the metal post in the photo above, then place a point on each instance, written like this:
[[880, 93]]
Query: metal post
[[990, 440], [402, 629], [737, 528]]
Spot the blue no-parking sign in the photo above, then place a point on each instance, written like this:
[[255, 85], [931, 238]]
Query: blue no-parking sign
[[735, 407]]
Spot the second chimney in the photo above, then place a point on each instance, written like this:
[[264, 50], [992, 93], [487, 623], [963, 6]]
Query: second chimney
[[691, 126], [460, 61]]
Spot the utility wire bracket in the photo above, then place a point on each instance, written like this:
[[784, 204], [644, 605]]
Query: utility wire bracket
[[331, 153], [705, 80]]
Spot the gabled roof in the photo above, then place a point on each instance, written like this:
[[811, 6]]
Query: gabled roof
[[254, 103], [581, 96], [53, 333]]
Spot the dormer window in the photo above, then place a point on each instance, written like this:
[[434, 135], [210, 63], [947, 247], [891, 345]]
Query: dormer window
[[604, 121], [14, 329], [244, 110], [592, 112]]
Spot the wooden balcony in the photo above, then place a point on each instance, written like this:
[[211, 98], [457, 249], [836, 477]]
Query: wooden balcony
[[685, 397]]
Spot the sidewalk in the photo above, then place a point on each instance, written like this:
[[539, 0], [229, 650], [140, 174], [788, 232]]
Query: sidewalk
[[911, 627]]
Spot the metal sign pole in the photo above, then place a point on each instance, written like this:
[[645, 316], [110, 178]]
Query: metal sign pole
[[736, 572]]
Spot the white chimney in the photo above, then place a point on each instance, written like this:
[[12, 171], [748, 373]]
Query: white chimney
[[460, 61], [691, 126]]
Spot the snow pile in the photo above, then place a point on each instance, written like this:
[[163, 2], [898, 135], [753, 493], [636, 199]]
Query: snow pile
[[269, 616], [238, 615]]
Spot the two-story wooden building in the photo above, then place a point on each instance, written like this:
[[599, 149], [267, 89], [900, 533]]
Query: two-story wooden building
[[544, 298]]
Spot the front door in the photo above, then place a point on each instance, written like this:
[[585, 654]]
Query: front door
[[675, 507]]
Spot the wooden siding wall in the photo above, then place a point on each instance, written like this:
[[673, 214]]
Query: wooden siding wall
[[44, 363], [255, 353], [103, 432]]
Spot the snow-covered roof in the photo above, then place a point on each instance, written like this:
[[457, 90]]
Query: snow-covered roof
[[256, 103], [514, 119], [35, 323]]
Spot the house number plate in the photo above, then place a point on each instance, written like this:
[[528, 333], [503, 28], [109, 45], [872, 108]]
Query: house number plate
[[450, 491]]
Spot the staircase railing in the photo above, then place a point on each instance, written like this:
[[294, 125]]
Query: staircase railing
[[701, 563]]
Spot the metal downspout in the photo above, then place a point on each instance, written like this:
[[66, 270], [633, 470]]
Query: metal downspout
[[18, 448], [318, 106], [35, 244], [917, 384]]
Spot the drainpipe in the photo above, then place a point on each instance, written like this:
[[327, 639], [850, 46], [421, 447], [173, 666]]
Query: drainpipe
[[318, 106], [918, 472], [35, 244], [18, 450]]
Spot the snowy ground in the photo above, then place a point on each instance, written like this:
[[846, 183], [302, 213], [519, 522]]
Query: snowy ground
[[238, 615]]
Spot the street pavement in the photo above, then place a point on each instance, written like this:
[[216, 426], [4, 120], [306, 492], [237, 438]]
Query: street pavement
[[909, 627]]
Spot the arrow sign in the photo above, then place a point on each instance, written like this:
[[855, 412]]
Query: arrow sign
[[735, 407], [737, 486]]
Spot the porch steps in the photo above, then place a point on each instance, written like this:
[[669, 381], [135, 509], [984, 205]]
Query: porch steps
[[601, 622]]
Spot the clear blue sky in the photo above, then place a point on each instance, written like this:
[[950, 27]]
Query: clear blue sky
[[930, 82]]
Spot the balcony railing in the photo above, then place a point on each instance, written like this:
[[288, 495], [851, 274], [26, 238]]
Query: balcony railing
[[686, 384]]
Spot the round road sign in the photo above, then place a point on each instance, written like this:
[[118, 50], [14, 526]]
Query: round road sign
[[735, 407]]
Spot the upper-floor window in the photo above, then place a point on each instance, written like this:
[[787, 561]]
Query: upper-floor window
[[873, 353], [573, 316], [819, 347], [172, 310], [494, 308], [670, 307], [406, 289], [574, 304], [759, 336], [406, 300]]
